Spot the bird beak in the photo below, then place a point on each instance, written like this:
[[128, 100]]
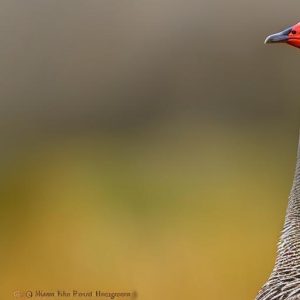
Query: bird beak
[[280, 37]]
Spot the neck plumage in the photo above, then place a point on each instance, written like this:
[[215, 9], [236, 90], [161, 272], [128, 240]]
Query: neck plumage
[[284, 282], [288, 254]]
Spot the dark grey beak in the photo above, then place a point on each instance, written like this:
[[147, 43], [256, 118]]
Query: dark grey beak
[[280, 37]]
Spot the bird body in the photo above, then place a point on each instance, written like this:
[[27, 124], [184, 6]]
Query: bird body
[[284, 281]]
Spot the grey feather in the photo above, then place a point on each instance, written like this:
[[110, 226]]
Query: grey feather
[[284, 281]]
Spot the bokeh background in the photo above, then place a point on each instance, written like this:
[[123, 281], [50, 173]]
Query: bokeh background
[[146, 146]]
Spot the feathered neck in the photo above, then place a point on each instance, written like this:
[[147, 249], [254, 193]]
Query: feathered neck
[[288, 255], [284, 282]]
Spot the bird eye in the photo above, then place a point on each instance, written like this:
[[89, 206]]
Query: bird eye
[[294, 31]]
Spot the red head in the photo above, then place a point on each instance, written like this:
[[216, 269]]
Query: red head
[[290, 36]]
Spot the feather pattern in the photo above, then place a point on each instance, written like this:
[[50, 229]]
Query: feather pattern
[[284, 281]]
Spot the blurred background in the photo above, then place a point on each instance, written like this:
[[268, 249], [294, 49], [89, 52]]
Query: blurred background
[[146, 146]]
